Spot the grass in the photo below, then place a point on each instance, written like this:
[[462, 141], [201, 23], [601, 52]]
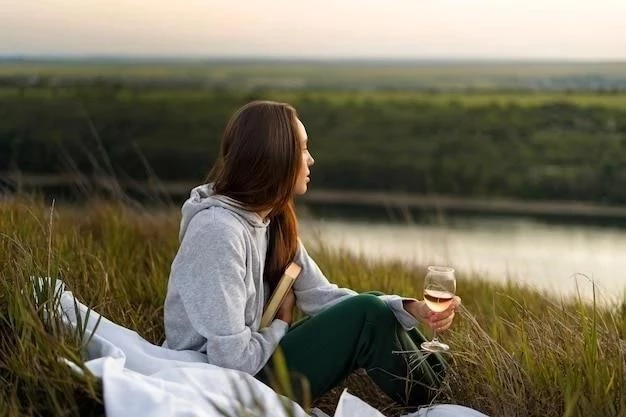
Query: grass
[[516, 352], [346, 69], [338, 97]]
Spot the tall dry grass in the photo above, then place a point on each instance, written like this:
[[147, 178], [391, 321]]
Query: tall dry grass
[[515, 352]]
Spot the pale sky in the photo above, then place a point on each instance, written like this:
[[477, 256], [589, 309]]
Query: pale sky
[[554, 29]]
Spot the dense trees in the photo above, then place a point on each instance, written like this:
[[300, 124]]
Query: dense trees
[[548, 150]]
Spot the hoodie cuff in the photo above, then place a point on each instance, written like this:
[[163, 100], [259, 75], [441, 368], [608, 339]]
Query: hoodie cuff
[[278, 328], [396, 304]]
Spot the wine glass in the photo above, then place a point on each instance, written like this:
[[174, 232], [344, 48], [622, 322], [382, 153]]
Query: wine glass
[[439, 289]]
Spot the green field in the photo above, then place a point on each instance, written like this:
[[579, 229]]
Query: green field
[[515, 352], [352, 75], [465, 99]]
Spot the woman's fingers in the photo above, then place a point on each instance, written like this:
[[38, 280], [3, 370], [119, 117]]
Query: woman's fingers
[[441, 315], [437, 321], [456, 302], [443, 323], [443, 320]]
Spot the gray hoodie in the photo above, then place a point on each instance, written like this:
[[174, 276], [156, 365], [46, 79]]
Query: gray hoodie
[[216, 293]]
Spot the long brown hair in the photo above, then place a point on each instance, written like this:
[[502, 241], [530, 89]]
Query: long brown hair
[[258, 165]]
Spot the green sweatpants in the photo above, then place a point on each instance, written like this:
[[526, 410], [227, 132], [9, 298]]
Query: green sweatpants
[[362, 332]]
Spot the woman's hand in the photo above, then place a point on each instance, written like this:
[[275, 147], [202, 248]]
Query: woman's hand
[[285, 311], [436, 321]]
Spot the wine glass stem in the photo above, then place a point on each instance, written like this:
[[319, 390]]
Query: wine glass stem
[[435, 338]]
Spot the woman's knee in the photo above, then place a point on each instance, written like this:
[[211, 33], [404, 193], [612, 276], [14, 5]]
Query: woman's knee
[[373, 307], [374, 293]]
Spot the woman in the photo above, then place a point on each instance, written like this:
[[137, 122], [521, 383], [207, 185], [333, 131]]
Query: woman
[[239, 232]]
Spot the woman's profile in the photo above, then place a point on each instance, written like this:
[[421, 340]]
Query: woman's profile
[[239, 232]]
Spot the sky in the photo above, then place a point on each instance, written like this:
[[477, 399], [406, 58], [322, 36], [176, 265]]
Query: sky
[[483, 29]]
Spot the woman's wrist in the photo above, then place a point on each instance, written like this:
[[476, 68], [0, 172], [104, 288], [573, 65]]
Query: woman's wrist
[[416, 308], [285, 316]]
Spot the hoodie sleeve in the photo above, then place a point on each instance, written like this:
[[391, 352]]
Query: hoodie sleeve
[[314, 293], [209, 273]]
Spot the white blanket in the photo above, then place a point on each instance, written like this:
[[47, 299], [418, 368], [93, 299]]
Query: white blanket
[[142, 379]]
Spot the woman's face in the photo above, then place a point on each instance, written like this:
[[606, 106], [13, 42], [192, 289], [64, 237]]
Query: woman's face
[[305, 162]]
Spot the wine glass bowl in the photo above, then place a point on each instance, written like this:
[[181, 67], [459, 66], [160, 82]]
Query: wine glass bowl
[[439, 290]]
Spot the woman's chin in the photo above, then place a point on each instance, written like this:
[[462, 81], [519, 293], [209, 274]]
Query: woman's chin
[[301, 190]]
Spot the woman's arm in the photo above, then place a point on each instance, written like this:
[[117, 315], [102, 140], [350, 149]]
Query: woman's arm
[[208, 274], [313, 291]]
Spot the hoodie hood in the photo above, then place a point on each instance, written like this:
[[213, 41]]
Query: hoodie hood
[[204, 197]]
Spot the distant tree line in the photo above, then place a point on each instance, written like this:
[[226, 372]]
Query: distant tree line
[[551, 151]]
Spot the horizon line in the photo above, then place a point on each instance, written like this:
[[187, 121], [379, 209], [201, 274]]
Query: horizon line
[[303, 58]]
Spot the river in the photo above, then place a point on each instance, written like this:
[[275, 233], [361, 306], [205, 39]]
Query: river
[[549, 257]]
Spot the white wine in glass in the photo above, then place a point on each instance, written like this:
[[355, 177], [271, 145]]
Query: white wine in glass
[[439, 290]]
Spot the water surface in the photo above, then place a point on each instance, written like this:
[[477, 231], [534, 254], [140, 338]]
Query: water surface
[[545, 256]]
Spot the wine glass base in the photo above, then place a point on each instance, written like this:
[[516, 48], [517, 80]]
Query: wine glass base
[[435, 347]]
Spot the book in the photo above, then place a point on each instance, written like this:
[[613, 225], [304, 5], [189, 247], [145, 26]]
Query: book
[[284, 285]]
